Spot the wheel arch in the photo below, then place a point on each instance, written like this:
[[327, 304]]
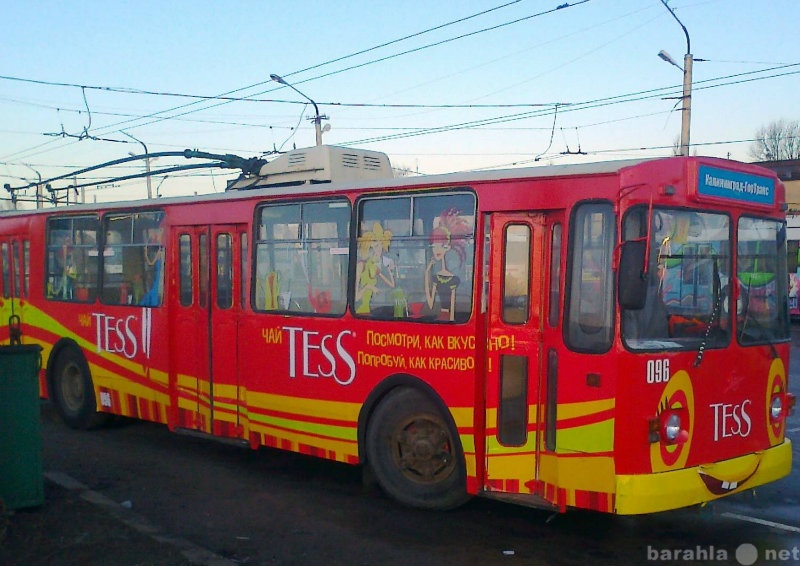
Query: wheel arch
[[383, 389]]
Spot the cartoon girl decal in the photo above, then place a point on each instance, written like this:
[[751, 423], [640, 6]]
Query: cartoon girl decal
[[446, 236], [371, 246]]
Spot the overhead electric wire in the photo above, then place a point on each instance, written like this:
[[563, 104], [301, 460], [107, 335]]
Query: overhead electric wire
[[570, 107], [565, 107], [114, 127], [435, 106]]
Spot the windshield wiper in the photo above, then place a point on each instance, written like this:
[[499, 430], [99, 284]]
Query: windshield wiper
[[714, 314]]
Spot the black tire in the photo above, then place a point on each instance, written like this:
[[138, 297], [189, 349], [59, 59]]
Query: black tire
[[73, 392], [414, 452]]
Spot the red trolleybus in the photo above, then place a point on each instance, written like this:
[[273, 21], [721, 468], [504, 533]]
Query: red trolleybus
[[610, 336]]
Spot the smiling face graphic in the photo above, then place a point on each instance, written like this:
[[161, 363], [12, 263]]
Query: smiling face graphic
[[725, 477]]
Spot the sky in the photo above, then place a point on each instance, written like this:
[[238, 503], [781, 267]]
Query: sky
[[439, 86]]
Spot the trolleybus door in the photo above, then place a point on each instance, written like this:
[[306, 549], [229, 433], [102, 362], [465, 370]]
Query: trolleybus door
[[226, 303], [205, 327], [14, 273], [516, 275]]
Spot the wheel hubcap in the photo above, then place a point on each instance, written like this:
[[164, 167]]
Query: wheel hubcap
[[72, 387], [423, 450]]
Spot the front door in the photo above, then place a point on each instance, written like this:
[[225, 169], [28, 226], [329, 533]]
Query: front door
[[207, 300], [513, 390]]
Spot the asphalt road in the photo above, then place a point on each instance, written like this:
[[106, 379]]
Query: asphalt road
[[272, 507]]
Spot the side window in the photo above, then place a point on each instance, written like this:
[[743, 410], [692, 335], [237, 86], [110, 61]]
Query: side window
[[590, 309], [72, 258], [224, 271], [416, 257], [203, 267], [243, 268], [185, 273], [516, 274], [133, 259], [301, 257], [5, 252], [16, 265], [555, 275], [26, 267]]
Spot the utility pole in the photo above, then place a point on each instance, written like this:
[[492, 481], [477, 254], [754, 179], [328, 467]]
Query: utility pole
[[686, 111]]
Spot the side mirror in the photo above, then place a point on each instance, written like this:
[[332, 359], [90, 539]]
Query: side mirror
[[632, 282]]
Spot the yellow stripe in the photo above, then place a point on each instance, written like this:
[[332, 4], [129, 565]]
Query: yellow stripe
[[583, 408], [595, 437], [335, 410], [330, 431]]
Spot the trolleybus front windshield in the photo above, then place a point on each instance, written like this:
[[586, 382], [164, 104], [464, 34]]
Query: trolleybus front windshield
[[688, 281], [690, 288]]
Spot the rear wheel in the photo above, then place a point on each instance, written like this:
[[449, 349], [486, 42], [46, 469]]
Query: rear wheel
[[73, 391], [414, 454]]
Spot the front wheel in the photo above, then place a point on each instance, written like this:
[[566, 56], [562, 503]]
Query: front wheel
[[73, 392], [415, 456]]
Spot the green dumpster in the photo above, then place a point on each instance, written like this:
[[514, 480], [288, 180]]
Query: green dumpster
[[21, 475]]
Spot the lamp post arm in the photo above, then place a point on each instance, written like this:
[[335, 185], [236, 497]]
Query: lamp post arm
[[317, 118], [680, 23], [146, 164]]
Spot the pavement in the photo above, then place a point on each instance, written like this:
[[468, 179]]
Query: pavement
[[78, 526]]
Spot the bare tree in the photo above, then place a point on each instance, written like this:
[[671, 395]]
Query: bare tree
[[777, 141]]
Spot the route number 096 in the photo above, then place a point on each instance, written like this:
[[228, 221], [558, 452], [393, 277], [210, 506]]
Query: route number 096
[[657, 371]]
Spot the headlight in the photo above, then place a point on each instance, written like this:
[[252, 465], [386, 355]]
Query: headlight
[[672, 427], [776, 407]]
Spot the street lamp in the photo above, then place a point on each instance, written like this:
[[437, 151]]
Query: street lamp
[[146, 163], [317, 117], [686, 111]]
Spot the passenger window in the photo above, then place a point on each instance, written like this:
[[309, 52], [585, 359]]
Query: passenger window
[[26, 267], [516, 274], [589, 320], [72, 258], [301, 257], [5, 251], [133, 259], [243, 268], [555, 275], [416, 257], [224, 271], [185, 274], [203, 275]]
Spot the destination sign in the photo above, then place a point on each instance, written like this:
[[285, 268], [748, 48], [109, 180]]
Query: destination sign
[[734, 185]]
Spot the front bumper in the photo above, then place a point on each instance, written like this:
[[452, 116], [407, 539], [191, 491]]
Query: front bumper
[[649, 493]]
